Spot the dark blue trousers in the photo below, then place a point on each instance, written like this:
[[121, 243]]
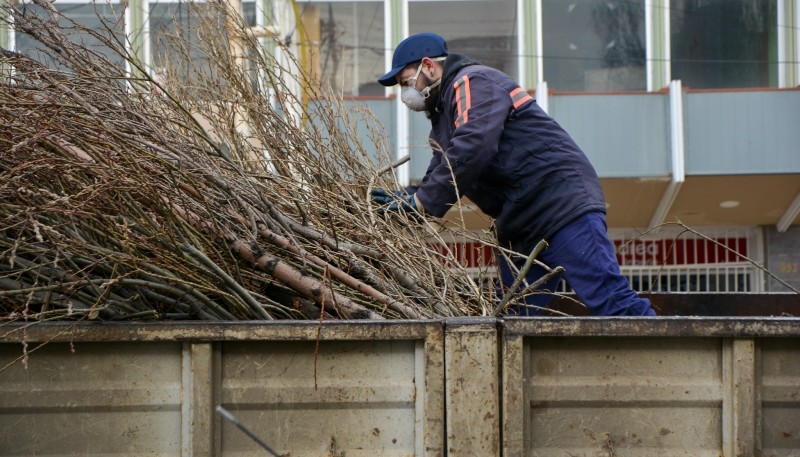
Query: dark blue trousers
[[583, 248]]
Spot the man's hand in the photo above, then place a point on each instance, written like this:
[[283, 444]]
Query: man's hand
[[385, 197], [394, 201]]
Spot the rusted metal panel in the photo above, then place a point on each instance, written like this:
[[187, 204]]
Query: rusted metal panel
[[652, 387], [471, 380], [655, 327], [623, 397], [565, 386], [354, 398], [339, 391], [778, 395], [218, 331], [91, 399]]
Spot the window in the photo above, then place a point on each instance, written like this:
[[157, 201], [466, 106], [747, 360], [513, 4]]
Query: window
[[180, 21], [724, 43], [94, 16], [347, 44], [482, 30], [594, 45]]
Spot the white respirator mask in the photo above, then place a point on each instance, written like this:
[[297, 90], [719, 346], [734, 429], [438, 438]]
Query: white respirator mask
[[415, 99]]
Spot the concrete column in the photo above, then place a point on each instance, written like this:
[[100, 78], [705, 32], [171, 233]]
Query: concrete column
[[788, 37], [657, 23], [137, 30], [5, 33], [529, 43], [396, 29]]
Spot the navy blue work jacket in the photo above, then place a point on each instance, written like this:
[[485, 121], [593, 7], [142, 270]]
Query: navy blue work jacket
[[507, 156]]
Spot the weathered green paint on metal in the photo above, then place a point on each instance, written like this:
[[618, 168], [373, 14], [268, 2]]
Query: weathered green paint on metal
[[654, 327], [158, 386], [399, 329], [219, 331]]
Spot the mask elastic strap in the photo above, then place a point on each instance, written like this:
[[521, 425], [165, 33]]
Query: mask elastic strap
[[426, 92]]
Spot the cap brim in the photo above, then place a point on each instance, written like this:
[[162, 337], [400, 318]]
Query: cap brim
[[390, 78]]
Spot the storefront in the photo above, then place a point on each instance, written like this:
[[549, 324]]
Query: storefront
[[668, 260]]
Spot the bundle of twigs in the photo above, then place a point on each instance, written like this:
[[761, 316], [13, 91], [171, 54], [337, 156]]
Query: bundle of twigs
[[212, 193]]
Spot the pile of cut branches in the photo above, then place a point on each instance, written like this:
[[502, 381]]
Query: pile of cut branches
[[209, 192]]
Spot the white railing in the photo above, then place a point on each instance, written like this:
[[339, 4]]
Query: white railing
[[669, 260]]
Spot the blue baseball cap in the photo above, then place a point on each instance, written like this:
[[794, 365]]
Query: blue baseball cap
[[411, 50]]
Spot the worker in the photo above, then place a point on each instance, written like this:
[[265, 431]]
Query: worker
[[494, 145]]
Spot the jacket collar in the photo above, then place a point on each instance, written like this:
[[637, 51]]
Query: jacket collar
[[452, 65]]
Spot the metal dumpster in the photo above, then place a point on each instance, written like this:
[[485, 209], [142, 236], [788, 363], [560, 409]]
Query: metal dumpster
[[618, 387], [306, 389], [659, 387]]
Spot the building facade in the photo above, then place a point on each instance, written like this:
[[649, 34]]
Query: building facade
[[689, 109]]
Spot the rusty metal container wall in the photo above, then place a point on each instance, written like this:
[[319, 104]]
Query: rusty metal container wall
[[355, 398], [588, 396], [667, 387], [91, 399], [353, 389], [511, 387], [778, 375]]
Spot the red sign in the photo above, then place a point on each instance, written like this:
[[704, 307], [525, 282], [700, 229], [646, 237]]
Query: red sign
[[695, 251]]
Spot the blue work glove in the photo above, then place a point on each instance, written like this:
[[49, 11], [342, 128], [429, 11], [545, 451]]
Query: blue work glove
[[394, 201], [385, 197]]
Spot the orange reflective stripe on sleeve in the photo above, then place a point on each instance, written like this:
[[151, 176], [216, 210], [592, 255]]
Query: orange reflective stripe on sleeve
[[519, 96], [463, 100]]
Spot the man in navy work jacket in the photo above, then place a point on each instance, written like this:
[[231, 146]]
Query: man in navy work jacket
[[517, 165]]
